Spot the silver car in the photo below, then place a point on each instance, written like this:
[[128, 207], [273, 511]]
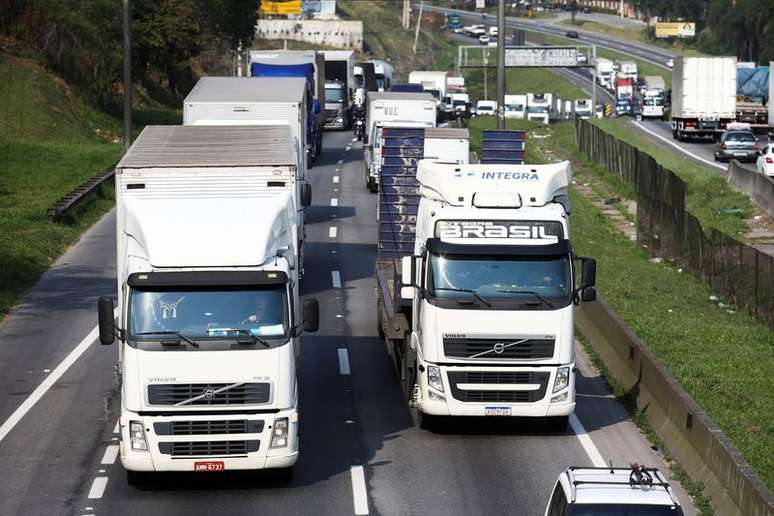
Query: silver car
[[739, 145]]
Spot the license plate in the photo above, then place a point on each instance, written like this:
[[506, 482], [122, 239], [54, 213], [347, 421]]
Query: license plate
[[209, 466], [497, 411]]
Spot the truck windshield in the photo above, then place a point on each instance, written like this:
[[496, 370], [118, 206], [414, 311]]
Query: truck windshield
[[208, 316], [593, 509], [501, 278], [538, 109], [514, 107], [334, 94]]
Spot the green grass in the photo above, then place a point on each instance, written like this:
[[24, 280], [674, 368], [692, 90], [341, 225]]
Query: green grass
[[721, 359], [522, 81], [708, 193]]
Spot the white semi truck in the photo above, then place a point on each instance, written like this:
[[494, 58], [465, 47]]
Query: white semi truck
[[539, 107], [515, 106], [392, 110], [479, 319], [209, 319], [605, 72], [703, 96], [432, 81]]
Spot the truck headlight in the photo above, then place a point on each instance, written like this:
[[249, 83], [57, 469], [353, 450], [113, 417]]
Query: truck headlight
[[562, 378], [434, 378], [561, 397], [137, 436], [279, 437]]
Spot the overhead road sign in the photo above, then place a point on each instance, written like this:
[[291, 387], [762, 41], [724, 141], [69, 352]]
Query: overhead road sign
[[476, 56]]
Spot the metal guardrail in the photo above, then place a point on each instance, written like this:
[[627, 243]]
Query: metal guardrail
[[65, 204], [700, 447]]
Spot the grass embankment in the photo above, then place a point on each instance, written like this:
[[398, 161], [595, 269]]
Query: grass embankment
[[50, 142], [709, 197], [722, 359], [384, 37], [522, 81]]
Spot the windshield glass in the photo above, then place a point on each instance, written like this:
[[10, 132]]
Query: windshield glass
[[496, 278], [740, 137], [335, 94], [208, 315], [538, 109], [380, 82], [591, 509], [359, 81], [514, 107]]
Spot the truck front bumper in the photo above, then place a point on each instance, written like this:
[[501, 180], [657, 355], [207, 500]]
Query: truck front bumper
[[248, 451], [463, 395]]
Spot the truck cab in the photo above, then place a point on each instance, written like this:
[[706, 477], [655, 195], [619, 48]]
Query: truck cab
[[337, 114], [637, 491], [209, 315], [492, 290], [539, 107], [515, 106]]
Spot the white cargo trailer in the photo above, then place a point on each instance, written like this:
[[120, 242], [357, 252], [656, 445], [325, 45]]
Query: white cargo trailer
[[703, 96]]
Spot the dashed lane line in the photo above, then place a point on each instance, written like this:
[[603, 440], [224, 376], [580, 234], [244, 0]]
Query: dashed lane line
[[343, 362], [334, 202], [585, 441], [336, 279], [332, 232], [359, 493], [111, 453], [46, 384], [98, 488], [335, 179]]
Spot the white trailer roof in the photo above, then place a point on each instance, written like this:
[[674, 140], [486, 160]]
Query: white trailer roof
[[338, 55], [398, 95], [210, 146], [248, 89]]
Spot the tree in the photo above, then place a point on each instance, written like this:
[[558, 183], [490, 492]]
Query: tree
[[232, 19]]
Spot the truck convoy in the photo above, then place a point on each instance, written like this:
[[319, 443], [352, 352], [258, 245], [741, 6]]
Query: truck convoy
[[339, 88], [479, 318], [297, 63], [259, 101], [209, 317], [703, 96], [392, 110]]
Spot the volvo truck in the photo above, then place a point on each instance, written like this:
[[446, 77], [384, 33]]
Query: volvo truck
[[479, 317], [209, 316], [339, 88], [392, 110]]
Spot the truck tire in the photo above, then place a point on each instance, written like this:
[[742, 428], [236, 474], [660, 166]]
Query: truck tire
[[426, 421], [372, 186]]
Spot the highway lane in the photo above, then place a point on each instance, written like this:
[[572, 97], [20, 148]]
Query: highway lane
[[352, 416]]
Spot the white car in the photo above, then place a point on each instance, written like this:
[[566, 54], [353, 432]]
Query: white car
[[484, 39], [595, 491], [493, 32], [765, 163], [581, 58], [486, 107], [670, 62]]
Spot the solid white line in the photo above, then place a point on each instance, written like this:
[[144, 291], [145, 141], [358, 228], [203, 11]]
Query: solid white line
[[681, 149], [46, 384], [98, 488], [332, 231], [116, 428], [111, 452], [335, 179], [359, 493], [343, 362], [588, 445], [336, 278], [334, 202]]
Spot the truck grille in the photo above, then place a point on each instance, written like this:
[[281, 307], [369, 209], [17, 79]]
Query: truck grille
[[486, 349], [208, 448], [208, 427], [242, 394], [498, 378], [331, 114]]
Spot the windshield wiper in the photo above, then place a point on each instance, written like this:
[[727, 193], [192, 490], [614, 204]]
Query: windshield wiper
[[469, 291], [241, 331], [175, 333], [531, 292]]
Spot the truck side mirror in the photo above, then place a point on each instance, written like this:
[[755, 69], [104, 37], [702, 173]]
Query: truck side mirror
[[409, 265], [589, 278], [306, 195], [107, 326], [588, 294], [311, 315]]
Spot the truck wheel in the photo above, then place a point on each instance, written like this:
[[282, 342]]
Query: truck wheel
[[372, 186], [426, 421], [558, 423]]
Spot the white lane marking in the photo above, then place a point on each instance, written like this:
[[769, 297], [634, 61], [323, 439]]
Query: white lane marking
[[348, 148], [116, 428], [334, 202], [46, 384], [359, 493], [335, 179], [98, 488], [336, 278], [588, 445], [332, 231], [343, 362], [111, 452], [354, 139], [340, 162], [681, 149]]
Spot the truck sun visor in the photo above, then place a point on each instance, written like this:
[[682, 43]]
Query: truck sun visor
[[206, 278], [561, 248]]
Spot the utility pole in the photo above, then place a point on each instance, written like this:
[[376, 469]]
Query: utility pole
[[501, 64], [127, 78], [405, 16], [419, 23], [239, 59]]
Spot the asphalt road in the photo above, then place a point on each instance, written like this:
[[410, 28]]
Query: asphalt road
[[59, 456]]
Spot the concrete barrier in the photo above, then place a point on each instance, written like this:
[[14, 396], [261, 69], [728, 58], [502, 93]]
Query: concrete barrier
[[759, 187], [697, 444]]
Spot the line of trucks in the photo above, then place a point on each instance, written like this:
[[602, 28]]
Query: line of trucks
[[476, 277]]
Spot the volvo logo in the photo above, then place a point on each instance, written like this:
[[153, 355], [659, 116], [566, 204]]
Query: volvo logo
[[498, 348], [208, 394]]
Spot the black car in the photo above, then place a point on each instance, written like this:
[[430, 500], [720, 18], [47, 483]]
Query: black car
[[572, 34]]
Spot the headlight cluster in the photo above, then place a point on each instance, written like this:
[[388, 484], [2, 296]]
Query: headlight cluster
[[561, 382], [279, 437], [434, 379], [137, 436]]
